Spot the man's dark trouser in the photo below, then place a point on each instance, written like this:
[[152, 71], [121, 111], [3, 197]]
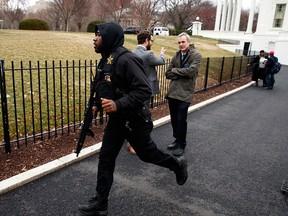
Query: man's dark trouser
[[178, 113], [270, 80], [138, 135]]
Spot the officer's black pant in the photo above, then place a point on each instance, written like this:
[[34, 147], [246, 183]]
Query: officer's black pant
[[138, 135]]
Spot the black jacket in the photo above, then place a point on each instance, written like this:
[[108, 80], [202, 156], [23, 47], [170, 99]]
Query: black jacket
[[128, 76], [270, 63], [255, 63]]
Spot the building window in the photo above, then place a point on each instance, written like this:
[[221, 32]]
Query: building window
[[279, 15]]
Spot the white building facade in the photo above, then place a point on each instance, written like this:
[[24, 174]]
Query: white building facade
[[228, 15], [272, 29], [271, 32]]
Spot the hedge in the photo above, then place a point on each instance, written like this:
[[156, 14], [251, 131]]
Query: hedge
[[33, 24]]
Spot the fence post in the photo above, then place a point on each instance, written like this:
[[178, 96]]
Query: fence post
[[221, 73], [4, 108], [206, 74], [232, 71], [240, 69]]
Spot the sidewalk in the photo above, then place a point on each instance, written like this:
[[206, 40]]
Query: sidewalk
[[237, 153]]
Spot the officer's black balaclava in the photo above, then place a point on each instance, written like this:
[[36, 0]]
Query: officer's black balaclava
[[112, 36]]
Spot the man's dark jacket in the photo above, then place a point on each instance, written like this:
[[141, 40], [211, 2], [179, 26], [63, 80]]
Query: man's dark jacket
[[270, 64], [128, 74]]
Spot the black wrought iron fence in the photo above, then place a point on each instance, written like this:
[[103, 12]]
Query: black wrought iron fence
[[248, 52], [48, 99]]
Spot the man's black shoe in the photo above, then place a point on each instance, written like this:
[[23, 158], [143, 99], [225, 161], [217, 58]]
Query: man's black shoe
[[178, 152], [181, 173], [95, 207], [172, 146]]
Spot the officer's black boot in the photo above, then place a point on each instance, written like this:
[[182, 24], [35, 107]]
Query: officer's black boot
[[181, 173], [97, 206]]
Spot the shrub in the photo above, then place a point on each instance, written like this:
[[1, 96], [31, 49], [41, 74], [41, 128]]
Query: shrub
[[178, 31], [33, 24], [91, 25]]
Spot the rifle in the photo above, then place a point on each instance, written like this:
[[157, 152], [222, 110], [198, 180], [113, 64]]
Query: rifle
[[108, 94], [85, 129]]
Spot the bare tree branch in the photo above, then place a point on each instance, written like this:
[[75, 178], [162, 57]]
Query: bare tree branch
[[14, 12], [144, 12], [180, 12], [114, 9], [68, 8]]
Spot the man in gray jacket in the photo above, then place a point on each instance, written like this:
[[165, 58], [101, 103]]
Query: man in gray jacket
[[182, 72], [150, 61]]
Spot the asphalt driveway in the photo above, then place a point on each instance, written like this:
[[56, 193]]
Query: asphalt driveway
[[237, 154]]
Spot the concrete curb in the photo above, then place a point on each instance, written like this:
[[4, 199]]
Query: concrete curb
[[38, 172], [166, 119]]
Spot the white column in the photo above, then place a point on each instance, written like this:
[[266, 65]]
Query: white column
[[251, 17], [218, 15], [224, 15], [238, 15], [233, 15], [229, 15]]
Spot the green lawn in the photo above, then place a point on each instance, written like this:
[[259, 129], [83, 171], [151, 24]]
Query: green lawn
[[20, 45], [47, 86]]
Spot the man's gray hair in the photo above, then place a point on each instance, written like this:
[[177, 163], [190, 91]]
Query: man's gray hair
[[185, 35]]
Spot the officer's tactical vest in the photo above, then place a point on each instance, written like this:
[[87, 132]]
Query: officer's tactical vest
[[105, 87]]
